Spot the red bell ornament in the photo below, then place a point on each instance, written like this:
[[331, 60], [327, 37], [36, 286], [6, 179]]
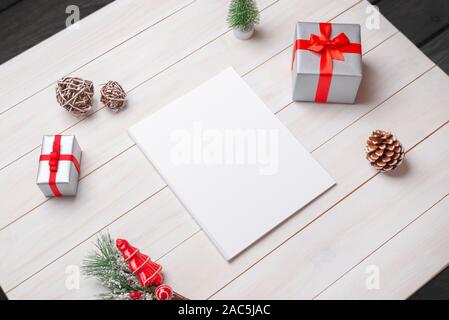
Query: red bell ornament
[[147, 271]]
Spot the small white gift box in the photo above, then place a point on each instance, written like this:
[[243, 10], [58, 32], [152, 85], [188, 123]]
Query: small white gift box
[[59, 166]]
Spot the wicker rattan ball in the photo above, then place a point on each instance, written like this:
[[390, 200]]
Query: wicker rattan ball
[[75, 95], [113, 96]]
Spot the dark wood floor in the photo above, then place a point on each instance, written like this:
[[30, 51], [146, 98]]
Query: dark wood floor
[[25, 23], [424, 22]]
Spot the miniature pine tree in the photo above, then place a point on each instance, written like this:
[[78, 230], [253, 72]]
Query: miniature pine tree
[[243, 14]]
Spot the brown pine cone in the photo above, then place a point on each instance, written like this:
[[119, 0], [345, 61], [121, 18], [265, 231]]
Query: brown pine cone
[[384, 151]]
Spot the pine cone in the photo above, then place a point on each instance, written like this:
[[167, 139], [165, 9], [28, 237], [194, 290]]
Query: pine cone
[[384, 151]]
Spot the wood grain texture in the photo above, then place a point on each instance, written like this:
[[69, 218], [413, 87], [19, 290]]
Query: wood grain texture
[[59, 225], [417, 19], [100, 146], [438, 50], [31, 22], [141, 59], [404, 263], [216, 272], [435, 289], [8, 4], [166, 223], [159, 45], [349, 171], [40, 67], [425, 23], [248, 57], [123, 193], [369, 216]]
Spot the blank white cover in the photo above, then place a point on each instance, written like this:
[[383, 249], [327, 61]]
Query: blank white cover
[[234, 203]]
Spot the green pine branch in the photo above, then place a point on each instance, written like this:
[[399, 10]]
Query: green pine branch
[[107, 265], [243, 14]]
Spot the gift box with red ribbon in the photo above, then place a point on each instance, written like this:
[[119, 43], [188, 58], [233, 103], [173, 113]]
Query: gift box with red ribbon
[[59, 166], [327, 62]]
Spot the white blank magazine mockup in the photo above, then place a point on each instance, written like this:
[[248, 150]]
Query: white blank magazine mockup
[[230, 161]]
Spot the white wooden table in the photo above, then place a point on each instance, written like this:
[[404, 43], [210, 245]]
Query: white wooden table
[[392, 225]]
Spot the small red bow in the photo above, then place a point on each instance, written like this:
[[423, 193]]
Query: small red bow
[[322, 44], [55, 155], [329, 49]]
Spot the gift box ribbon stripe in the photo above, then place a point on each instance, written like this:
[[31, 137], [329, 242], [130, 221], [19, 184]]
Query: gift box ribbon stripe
[[53, 160], [329, 49]]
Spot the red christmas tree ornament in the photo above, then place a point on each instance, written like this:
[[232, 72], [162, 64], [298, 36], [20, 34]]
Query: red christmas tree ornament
[[135, 295], [163, 292], [147, 271]]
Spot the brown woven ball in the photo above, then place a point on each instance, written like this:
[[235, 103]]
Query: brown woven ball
[[75, 95], [384, 151], [113, 96]]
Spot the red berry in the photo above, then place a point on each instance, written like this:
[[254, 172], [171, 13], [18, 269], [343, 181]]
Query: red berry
[[135, 295]]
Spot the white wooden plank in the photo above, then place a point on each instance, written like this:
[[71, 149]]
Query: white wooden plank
[[349, 168], [61, 224], [245, 57], [69, 49], [346, 234], [209, 271], [140, 59], [170, 225], [404, 263], [99, 146]]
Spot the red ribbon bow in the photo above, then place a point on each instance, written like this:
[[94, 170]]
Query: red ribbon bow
[[329, 49], [53, 162]]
